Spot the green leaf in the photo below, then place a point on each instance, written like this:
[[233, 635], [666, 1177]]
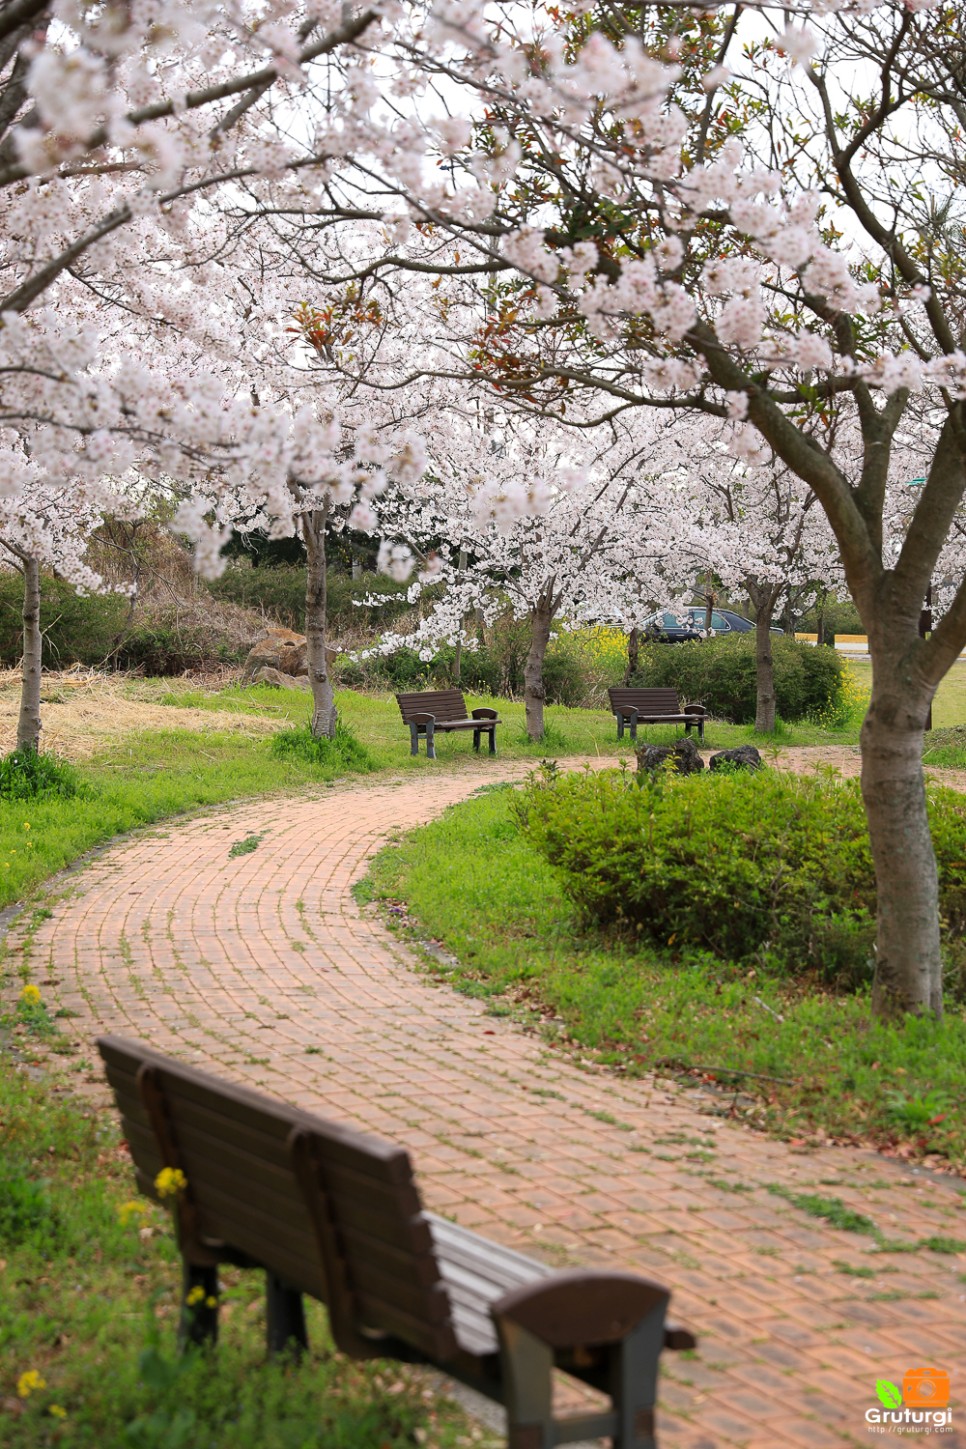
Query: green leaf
[[888, 1393]]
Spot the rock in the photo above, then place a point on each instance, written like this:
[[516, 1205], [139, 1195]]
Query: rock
[[684, 754], [279, 649], [267, 675], [282, 650], [745, 757]]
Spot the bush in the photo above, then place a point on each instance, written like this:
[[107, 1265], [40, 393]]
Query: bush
[[164, 646], [721, 675], [760, 867], [77, 629], [279, 592], [29, 775], [335, 756], [494, 667]]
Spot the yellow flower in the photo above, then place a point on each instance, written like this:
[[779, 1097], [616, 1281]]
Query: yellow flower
[[195, 1296], [30, 995], [58, 1411], [30, 1382], [211, 1302], [128, 1210], [170, 1181], [26, 825]]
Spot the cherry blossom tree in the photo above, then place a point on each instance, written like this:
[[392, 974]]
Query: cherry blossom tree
[[43, 527], [755, 221]]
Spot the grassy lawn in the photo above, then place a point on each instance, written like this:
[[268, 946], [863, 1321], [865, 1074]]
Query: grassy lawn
[[89, 1308], [803, 1061]]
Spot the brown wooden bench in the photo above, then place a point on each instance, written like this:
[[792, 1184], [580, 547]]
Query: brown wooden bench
[[336, 1214], [653, 706], [435, 711]]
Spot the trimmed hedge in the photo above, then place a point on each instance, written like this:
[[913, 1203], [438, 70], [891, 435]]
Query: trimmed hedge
[[763, 868], [720, 673]]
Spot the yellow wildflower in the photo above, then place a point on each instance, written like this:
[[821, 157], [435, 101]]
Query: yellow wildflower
[[58, 1411], [30, 995], [211, 1302], [30, 1382], [26, 825], [195, 1296], [170, 1181], [128, 1210]]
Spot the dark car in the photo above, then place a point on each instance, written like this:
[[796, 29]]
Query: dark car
[[667, 627], [738, 624]]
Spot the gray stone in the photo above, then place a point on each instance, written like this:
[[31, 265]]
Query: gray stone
[[745, 757], [683, 753], [267, 675]]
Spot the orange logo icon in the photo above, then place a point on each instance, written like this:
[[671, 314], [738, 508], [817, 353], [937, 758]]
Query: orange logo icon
[[925, 1388]]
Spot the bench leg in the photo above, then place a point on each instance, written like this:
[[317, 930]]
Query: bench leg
[[633, 1383], [620, 726], [528, 1388], [199, 1305], [430, 742], [284, 1317], [476, 741], [493, 742], [413, 740]]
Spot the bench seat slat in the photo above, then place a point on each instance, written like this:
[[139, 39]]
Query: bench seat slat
[[507, 1267]]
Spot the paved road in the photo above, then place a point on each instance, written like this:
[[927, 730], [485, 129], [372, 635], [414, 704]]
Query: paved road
[[263, 968]]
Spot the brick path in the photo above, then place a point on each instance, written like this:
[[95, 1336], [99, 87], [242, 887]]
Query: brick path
[[263, 968]]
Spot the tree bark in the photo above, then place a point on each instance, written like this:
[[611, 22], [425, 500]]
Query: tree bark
[[633, 654], [908, 968], [324, 713], [534, 694], [28, 723], [766, 705]]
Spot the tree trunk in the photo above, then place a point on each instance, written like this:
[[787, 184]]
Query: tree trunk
[[324, 713], [633, 654], [28, 723], [541, 619], [765, 702], [908, 968]]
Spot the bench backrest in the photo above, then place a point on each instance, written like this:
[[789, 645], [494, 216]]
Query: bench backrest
[[445, 704], [646, 701], [334, 1212]]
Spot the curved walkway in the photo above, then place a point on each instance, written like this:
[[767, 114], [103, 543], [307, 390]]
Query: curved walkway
[[262, 967]]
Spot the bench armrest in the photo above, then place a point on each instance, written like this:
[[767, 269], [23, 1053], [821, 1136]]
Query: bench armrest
[[581, 1306], [625, 711], [421, 719], [484, 713], [694, 709]]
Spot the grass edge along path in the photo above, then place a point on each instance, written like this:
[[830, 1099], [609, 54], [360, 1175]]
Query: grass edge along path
[[804, 1065], [89, 1306]]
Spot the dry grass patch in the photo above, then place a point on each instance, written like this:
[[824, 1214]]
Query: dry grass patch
[[84, 712]]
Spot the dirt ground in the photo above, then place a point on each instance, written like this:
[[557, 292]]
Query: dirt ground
[[86, 712]]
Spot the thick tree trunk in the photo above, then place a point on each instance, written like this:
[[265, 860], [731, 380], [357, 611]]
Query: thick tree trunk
[[633, 654], [908, 967], [324, 713], [28, 723], [541, 619]]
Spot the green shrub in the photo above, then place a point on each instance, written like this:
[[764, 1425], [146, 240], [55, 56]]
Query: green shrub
[[334, 756], [77, 629], [30, 775], [761, 867], [162, 648], [721, 674], [279, 592], [495, 667]]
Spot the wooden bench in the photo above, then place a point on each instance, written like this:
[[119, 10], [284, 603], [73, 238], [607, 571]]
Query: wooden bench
[[336, 1214], [654, 706], [435, 711]]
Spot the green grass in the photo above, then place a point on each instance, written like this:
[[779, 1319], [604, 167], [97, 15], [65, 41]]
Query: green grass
[[89, 1308], [801, 1059]]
